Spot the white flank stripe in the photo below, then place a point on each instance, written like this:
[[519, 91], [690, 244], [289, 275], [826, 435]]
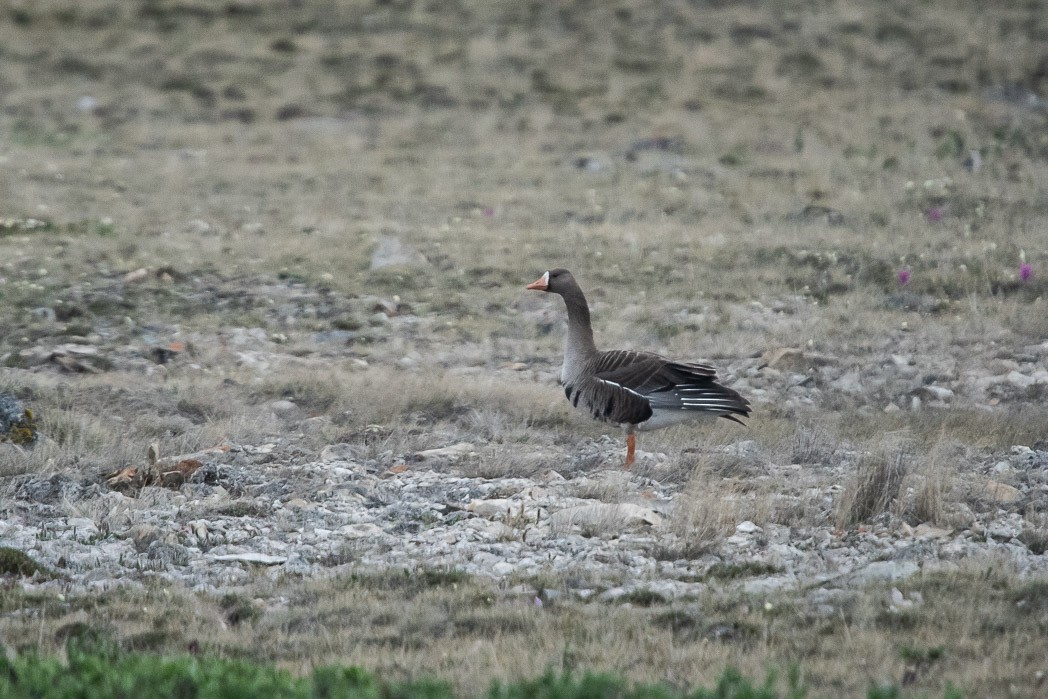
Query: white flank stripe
[[624, 388]]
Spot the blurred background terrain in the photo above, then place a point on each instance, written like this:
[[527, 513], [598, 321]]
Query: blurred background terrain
[[264, 236]]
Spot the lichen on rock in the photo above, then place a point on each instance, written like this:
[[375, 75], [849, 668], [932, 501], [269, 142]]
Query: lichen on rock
[[17, 423]]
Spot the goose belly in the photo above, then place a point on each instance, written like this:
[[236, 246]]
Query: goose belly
[[661, 417]]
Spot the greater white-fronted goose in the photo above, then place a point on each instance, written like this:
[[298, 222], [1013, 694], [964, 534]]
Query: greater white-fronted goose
[[637, 390]]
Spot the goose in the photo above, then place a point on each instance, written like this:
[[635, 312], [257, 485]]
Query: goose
[[636, 390]]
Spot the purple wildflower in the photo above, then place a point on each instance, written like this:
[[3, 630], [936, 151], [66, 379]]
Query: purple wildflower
[[1025, 271], [904, 277], [935, 214], [489, 212]]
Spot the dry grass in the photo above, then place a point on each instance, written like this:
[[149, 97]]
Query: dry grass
[[724, 179], [878, 479], [975, 626], [711, 505]]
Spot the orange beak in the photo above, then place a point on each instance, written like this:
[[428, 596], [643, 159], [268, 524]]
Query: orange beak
[[540, 284]]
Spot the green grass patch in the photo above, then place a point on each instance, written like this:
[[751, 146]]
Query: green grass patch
[[101, 671], [15, 562]]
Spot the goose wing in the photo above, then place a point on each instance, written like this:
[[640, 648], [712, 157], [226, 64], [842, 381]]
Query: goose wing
[[612, 386], [670, 385]]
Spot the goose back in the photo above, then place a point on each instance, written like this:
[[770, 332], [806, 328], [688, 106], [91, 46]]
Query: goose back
[[632, 388]]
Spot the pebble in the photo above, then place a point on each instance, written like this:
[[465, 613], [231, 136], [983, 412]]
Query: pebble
[[284, 408], [886, 570], [314, 518], [928, 531], [451, 453], [1000, 493], [602, 515], [342, 452], [1020, 380], [254, 558]]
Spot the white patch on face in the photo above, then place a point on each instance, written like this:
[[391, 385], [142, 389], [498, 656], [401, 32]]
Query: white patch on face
[[545, 279]]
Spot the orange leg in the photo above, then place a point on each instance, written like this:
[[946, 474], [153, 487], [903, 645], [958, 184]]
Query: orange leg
[[631, 448]]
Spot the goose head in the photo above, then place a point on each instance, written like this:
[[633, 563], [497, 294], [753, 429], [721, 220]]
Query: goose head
[[557, 281]]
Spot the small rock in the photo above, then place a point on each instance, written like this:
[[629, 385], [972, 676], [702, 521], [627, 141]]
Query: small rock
[[44, 313], [17, 424], [747, 527], [605, 516], [343, 452], [167, 554], [929, 531], [143, 535], [385, 307], [795, 359], [495, 508], [1007, 528], [899, 601], [850, 382], [1002, 467], [1020, 380], [253, 360], [284, 408], [939, 393], [263, 559], [138, 275], [886, 570], [199, 531], [391, 252], [973, 162], [450, 453], [502, 569], [999, 493], [612, 594], [362, 530], [764, 585]]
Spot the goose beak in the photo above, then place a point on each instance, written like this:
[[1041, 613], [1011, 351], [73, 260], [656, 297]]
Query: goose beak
[[540, 284]]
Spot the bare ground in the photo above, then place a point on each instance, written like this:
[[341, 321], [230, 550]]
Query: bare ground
[[273, 229]]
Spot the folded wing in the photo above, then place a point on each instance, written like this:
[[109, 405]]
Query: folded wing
[[625, 386]]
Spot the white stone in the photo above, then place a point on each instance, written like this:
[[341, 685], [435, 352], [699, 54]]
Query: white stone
[[850, 382], [939, 393], [283, 408], [363, 530], [496, 507], [929, 531], [502, 569], [342, 452], [886, 570], [452, 453], [764, 585], [1007, 528], [605, 516], [899, 601], [1020, 380], [254, 558], [391, 252]]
